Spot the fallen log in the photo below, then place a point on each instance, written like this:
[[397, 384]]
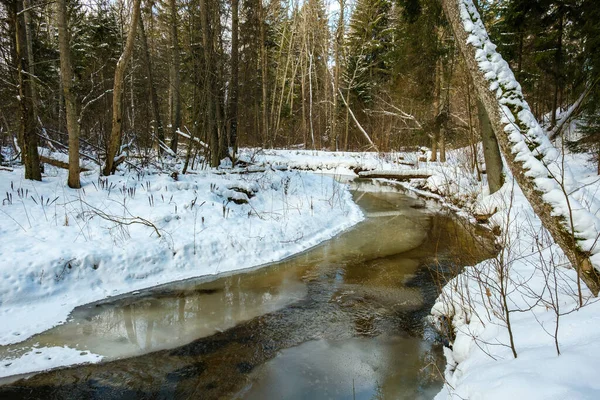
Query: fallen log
[[59, 164]]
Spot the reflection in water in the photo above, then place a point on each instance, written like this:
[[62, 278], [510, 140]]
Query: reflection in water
[[358, 368], [355, 296]]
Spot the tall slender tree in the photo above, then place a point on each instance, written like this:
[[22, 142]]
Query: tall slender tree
[[174, 77], [28, 130], [117, 118], [234, 86], [158, 126], [66, 76]]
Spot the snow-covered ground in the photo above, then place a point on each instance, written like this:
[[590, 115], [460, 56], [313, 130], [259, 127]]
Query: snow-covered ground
[[61, 248], [542, 299]]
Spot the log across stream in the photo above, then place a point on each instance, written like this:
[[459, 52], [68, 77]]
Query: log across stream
[[344, 320]]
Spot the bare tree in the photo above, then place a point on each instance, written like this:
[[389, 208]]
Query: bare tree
[[116, 133], [66, 76], [174, 78], [209, 86], [233, 93], [264, 73], [27, 132], [158, 126]]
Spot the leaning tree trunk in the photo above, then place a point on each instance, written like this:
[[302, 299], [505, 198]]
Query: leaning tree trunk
[[66, 77], [115, 135], [28, 132], [535, 163]]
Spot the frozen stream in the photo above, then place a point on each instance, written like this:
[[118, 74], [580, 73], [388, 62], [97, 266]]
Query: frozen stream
[[343, 320]]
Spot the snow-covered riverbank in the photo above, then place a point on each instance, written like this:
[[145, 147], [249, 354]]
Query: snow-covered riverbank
[[531, 279], [62, 248]]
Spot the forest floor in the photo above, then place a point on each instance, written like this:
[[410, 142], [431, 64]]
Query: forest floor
[[62, 248]]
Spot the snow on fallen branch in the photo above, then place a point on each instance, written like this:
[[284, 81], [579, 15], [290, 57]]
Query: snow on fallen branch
[[189, 137], [404, 174], [565, 209]]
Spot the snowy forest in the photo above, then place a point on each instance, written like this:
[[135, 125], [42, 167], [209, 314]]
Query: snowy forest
[[375, 199]]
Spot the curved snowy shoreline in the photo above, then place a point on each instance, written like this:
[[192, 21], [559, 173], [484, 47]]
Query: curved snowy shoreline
[[64, 248]]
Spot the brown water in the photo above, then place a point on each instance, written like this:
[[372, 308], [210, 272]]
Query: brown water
[[342, 320]]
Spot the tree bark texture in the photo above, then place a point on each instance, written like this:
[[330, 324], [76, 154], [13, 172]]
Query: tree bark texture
[[491, 151], [117, 117], [158, 126], [174, 78], [28, 132], [28, 34], [66, 77], [263, 68], [209, 97], [525, 147], [233, 94]]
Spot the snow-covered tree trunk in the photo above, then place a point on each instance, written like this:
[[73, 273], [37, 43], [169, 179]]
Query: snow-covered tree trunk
[[534, 162]]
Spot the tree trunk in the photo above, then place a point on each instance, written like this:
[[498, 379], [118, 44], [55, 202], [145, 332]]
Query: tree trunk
[[525, 147], [66, 77], [158, 126], [263, 69], [174, 77], [310, 99], [28, 132], [557, 72], [443, 144], [209, 97], [491, 151], [437, 106], [233, 94], [339, 37], [117, 117], [28, 35]]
